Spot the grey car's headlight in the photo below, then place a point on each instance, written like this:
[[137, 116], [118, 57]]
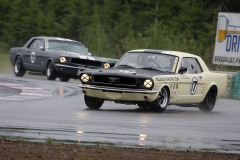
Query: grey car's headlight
[[85, 78], [148, 83], [106, 65], [62, 59]]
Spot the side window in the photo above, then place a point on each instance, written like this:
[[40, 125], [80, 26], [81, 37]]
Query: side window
[[36, 44], [192, 65]]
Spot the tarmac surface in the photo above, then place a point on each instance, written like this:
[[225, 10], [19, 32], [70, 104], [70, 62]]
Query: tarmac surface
[[35, 108]]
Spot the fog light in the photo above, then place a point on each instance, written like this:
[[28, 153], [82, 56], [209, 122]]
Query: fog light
[[84, 92], [146, 97]]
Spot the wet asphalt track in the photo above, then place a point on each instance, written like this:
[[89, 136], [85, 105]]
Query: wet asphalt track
[[36, 108]]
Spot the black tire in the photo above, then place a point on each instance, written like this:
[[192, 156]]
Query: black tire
[[64, 78], [92, 102], [51, 72], [160, 104], [209, 101], [19, 71]]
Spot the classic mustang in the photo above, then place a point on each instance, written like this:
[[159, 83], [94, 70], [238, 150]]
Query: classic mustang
[[152, 79], [57, 57]]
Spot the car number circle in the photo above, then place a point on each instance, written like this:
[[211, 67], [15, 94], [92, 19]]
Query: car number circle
[[193, 86], [32, 57]]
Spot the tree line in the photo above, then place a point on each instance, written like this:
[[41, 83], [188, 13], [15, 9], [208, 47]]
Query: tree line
[[109, 28]]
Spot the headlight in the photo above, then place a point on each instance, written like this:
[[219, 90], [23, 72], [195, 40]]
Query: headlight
[[106, 65], [62, 59], [148, 83], [85, 78]]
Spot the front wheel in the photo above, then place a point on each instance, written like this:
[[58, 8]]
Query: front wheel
[[160, 104], [19, 71], [51, 72], [209, 102], [92, 102]]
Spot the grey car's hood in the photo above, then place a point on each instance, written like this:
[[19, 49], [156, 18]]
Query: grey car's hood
[[74, 55]]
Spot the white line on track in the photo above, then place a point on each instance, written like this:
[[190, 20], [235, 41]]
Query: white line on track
[[27, 92]]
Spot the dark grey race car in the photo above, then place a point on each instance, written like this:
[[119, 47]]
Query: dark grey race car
[[55, 57]]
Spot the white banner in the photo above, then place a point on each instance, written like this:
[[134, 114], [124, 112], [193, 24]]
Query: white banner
[[227, 43]]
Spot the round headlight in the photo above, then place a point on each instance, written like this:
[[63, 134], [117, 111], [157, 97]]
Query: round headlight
[[62, 59], [85, 78], [148, 83], [106, 65]]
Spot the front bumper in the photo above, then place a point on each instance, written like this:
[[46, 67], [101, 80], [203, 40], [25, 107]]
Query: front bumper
[[119, 94], [118, 89], [68, 69]]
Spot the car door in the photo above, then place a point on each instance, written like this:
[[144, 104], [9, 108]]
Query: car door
[[38, 58], [191, 86], [33, 55]]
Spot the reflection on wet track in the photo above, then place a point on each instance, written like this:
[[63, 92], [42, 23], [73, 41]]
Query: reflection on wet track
[[125, 140], [25, 92], [65, 118]]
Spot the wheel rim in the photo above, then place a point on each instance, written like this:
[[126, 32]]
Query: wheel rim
[[163, 98], [49, 70], [17, 66]]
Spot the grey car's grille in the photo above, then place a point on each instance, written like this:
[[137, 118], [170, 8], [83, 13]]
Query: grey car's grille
[[86, 62], [114, 80]]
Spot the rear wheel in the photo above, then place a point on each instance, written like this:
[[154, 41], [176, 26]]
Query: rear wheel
[[19, 71], [51, 72], [92, 102], [209, 102]]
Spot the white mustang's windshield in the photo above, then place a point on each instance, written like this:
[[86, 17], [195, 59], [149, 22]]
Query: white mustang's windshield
[[153, 61], [66, 46]]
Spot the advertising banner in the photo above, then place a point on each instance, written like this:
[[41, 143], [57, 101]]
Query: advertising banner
[[227, 43]]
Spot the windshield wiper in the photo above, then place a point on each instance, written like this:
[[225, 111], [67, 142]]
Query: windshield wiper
[[150, 68], [125, 65]]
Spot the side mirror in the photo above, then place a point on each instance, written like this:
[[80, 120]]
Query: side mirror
[[182, 69], [42, 48]]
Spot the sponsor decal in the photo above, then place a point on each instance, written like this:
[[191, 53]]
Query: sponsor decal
[[193, 86], [167, 79], [32, 57], [174, 86]]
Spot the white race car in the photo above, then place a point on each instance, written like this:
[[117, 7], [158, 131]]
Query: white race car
[[152, 79]]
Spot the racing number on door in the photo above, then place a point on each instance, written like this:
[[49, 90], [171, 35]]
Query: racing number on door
[[193, 86], [32, 57]]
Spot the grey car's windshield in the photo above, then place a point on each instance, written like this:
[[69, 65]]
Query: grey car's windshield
[[149, 61], [67, 46]]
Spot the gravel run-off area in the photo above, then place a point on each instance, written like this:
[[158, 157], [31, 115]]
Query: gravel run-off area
[[21, 150]]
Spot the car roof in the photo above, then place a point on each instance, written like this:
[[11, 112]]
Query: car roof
[[175, 53], [55, 38]]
